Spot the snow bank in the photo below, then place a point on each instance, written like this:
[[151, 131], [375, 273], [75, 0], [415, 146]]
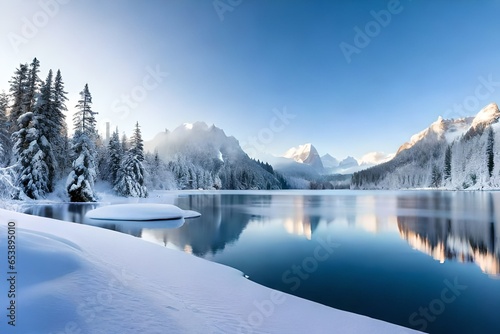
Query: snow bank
[[74, 278]]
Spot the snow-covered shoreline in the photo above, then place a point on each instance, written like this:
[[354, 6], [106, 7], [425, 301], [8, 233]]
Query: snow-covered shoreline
[[74, 278]]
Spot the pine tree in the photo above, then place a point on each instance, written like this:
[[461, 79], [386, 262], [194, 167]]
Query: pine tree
[[125, 145], [60, 142], [435, 177], [80, 182], [115, 156], [5, 141], [32, 87], [447, 163], [48, 127], [18, 88], [32, 171], [31, 150], [84, 119], [136, 144], [490, 153], [131, 180]]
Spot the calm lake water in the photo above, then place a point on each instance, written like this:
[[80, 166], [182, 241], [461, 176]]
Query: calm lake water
[[422, 259]]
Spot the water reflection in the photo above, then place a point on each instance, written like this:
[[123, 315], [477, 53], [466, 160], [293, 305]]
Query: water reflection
[[464, 228], [221, 223], [461, 226]]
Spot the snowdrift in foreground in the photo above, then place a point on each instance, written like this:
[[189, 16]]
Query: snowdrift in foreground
[[75, 278]]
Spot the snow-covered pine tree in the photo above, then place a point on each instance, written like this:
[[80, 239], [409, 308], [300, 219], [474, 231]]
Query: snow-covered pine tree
[[158, 175], [490, 152], [435, 177], [47, 127], [60, 142], [80, 182], [131, 174], [136, 143], [115, 156], [31, 148], [32, 171], [5, 141], [32, 87], [18, 87], [447, 163], [125, 144], [102, 159]]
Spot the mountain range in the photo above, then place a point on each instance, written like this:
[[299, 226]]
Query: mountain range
[[450, 153], [307, 154], [203, 156]]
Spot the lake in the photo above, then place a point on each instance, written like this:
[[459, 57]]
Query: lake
[[428, 260]]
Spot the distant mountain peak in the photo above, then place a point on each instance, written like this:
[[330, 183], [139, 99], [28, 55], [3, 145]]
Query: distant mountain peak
[[348, 162], [329, 161], [300, 153], [306, 154]]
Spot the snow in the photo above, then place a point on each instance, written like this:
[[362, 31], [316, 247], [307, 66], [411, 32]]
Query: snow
[[329, 161], [300, 153], [306, 154], [140, 212], [424, 164], [188, 126], [486, 116], [457, 128], [74, 278]]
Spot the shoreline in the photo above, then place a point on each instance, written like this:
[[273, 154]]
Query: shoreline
[[83, 262]]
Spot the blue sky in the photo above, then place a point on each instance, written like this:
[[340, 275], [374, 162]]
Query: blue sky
[[265, 57]]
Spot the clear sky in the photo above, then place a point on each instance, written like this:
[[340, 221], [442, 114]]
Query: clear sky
[[238, 65]]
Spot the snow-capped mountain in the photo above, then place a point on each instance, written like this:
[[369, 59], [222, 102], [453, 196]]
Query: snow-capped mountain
[[305, 154], [296, 158], [348, 162], [203, 156], [441, 129], [487, 116], [329, 161], [454, 153], [451, 129]]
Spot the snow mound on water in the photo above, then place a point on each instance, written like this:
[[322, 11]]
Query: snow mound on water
[[140, 212]]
